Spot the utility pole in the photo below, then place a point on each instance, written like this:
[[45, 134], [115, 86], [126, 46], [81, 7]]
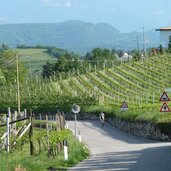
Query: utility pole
[[137, 43], [18, 86], [144, 41]]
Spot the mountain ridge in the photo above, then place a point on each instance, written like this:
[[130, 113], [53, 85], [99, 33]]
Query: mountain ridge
[[73, 35]]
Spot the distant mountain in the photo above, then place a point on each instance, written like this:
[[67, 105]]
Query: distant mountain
[[73, 35]]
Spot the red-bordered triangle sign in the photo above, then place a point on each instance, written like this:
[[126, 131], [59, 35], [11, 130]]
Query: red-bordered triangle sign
[[164, 97], [124, 105], [165, 108]]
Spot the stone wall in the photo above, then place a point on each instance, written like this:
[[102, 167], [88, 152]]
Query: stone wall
[[140, 129]]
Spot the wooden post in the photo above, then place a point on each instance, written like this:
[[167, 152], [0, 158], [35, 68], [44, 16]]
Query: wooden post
[[18, 86], [31, 134], [14, 124], [47, 129], [7, 130]]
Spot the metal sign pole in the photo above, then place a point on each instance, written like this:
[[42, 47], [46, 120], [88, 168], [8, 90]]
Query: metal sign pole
[[75, 110], [75, 125]]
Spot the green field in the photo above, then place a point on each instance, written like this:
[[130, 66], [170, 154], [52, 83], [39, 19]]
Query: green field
[[34, 59]]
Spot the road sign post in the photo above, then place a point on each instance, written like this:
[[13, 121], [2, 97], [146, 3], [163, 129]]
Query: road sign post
[[165, 108], [164, 98], [75, 110], [124, 106]]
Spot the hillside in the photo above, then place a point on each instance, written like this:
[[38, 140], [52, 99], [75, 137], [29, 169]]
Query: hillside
[[34, 59], [73, 35], [139, 83]]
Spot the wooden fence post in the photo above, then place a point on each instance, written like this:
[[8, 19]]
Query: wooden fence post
[[31, 134], [14, 124], [8, 131], [47, 129]]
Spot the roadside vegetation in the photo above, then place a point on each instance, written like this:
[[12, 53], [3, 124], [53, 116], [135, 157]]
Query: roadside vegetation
[[40, 161], [41, 148], [97, 81]]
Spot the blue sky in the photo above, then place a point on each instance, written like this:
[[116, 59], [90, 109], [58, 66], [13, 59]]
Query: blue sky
[[125, 15]]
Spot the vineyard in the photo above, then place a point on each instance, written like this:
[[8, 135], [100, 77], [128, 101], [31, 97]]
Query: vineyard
[[140, 84]]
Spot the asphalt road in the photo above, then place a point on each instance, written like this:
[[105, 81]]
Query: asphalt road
[[114, 150]]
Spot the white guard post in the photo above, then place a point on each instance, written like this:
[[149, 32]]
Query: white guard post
[[66, 126], [65, 150], [79, 137]]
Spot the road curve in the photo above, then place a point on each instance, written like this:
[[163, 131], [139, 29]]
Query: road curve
[[114, 150]]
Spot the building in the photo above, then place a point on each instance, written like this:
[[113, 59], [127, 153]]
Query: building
[[165, 33]]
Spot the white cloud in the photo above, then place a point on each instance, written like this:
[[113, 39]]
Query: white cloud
[[56, 3], [52, 2]]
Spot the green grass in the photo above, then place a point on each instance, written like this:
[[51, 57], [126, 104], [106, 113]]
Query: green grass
[[150, 115], [76, 151], [34, 59]]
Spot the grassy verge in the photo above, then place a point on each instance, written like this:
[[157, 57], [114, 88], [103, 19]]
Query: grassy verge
[[150, 115], [41, 162], [162, 120]]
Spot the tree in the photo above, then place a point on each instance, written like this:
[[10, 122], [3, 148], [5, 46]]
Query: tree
[[4, 47], [65, 63], [136, 55], [99, 55], [47, 70], [169, 45], [160, 49], [8, 66]]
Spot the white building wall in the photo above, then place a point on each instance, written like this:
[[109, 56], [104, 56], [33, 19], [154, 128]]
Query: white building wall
[[164, 37]]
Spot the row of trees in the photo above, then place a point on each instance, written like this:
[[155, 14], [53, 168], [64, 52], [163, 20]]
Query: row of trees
[[69, 61]]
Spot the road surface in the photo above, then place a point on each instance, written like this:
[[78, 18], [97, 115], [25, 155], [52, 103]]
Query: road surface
[[114, 150]]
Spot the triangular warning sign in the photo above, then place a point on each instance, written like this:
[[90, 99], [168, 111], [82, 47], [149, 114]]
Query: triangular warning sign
[[124, 106], [164, 97], [165, 108]]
